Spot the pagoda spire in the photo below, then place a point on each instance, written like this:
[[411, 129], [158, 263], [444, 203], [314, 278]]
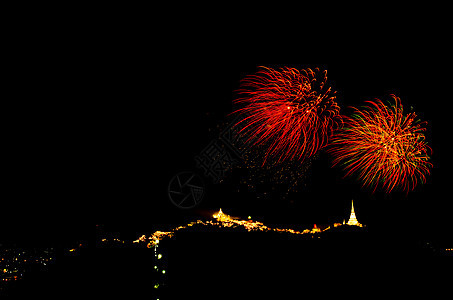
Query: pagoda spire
[[220, 216], [352, 218]]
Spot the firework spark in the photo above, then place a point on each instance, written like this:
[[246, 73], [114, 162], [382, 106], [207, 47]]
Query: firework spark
[[290, 113], [383, 146]]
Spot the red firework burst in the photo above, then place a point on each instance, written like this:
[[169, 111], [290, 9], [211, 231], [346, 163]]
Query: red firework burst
[[383, 146], [289, 113]]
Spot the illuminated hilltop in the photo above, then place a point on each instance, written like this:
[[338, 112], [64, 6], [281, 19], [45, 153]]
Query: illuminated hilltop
[[222, 220]]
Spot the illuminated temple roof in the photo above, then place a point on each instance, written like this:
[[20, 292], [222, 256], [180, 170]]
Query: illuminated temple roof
[[220, 216]]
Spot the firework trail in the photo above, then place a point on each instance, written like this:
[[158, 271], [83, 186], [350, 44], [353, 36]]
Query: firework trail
[[290, 114], [383, 146]]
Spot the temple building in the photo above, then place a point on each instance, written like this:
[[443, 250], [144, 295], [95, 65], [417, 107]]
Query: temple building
[[315, 229], [353, 219], [220, 216]]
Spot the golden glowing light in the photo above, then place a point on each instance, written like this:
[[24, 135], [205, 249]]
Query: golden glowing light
[[222, 220], [352, 218]]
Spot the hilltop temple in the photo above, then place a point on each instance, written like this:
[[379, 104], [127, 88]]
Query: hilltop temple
[[352, 218]]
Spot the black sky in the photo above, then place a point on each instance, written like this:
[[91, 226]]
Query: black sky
[[97, 125]]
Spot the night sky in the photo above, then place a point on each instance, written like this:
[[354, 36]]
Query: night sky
[[97, 125]]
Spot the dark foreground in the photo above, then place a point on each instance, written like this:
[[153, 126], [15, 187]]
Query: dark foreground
[[239, 265]]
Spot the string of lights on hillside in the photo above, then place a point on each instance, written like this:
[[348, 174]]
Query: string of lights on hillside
[[223, 220], [220, 220]]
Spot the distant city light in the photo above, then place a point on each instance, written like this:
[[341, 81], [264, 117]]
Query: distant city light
[[15, 262]]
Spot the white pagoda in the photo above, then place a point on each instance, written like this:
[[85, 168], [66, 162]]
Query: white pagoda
[[352, 218]]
